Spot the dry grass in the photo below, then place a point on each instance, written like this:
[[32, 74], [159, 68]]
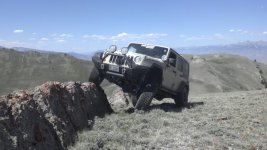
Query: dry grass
[[225, 121]]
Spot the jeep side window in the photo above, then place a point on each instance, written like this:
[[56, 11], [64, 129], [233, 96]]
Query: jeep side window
[[180, 64], [172, 59], [132, 49], [186, 68]]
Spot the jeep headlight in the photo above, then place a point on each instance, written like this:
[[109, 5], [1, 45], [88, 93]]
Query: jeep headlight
[[112, 48], [138, 59]]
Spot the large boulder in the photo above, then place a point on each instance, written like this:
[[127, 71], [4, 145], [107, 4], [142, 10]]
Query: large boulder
[[49, 116], [119, 100]]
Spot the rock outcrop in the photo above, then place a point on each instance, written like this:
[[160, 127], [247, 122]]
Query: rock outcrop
[[49, 116], [119, 100]]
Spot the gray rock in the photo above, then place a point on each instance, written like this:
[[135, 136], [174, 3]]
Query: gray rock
[[119, 100], [49, 116]]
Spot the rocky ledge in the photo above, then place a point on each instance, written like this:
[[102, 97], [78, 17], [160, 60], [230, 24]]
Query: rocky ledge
[[49, 116]]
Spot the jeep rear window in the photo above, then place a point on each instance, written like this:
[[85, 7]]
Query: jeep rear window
[[154, 51]]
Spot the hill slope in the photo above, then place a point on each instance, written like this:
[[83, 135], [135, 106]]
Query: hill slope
[[224, 73], [234, 120], [19, 70]]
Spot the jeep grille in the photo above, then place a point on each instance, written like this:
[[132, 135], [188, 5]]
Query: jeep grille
[[120, 60]]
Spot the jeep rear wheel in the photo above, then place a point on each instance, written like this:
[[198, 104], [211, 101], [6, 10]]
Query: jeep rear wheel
[[95, 76], [182, 98]]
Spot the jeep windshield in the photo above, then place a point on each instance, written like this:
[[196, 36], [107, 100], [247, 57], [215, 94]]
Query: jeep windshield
[[150, 50]]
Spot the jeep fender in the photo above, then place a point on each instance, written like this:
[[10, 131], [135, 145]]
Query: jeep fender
[[154, 73]]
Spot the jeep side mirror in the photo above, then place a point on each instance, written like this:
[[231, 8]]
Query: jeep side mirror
[[171, 61], [164, 58]]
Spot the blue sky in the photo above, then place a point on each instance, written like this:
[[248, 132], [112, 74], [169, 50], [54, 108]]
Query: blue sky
[[81, 26]]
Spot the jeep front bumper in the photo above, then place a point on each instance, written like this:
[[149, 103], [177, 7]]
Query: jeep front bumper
[[130, 75]]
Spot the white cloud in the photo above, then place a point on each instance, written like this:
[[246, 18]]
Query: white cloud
[[18, 31], [60, 41], [44, 39], [64, 35], [238, 31], [156, 35], [59, 38], [264, 33], [232, 30], [218, 35], [197, 38], [182, 36], [34, 33], [32, 39], [204, 37], [245, 31], [100, 37], [86, 36], [123, 34], [126, 36]]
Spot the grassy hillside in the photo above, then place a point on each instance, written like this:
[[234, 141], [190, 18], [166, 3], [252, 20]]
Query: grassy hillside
[[224, 73], [234, 120], [20, 70]]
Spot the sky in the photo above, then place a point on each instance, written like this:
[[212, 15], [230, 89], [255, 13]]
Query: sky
[[88, 25]]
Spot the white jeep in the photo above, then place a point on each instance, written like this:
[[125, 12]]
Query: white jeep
[[145, 72]]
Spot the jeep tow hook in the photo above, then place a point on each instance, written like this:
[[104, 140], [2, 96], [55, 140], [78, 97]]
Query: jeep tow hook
[[148, 86]]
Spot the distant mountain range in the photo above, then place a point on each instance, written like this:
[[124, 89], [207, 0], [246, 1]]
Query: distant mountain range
[[84, 56], [255, 50]]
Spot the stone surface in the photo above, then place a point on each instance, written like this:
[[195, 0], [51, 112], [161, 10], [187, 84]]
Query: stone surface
[[49, 116], [119, 100]]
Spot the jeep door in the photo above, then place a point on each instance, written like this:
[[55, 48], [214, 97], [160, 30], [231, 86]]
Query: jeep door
[[170, 73], [180, 73]]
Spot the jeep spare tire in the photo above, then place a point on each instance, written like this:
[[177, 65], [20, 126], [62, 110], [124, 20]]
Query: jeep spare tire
[[95, 76]]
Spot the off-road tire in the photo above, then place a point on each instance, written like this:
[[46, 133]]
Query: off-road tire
[[95, 76], [181, 99], [147, 95], [144, 100]]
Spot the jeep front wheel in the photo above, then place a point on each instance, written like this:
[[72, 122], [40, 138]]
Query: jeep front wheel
[[146, 96], [181, 99], [95, 76]]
